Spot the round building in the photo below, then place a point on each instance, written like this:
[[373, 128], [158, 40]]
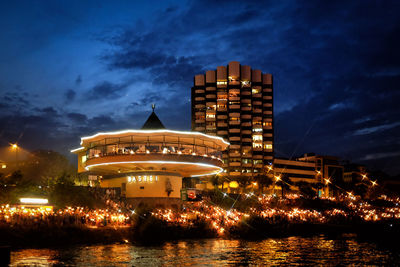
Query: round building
[[148, 165]]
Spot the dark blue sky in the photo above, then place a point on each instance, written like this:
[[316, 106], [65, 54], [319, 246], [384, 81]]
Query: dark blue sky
[[72, 68]]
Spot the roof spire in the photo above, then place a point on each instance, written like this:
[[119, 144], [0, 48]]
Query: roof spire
[[153, 122], [153, 106]]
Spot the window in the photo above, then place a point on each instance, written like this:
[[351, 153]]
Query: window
[[267, 146], [210, 116], [257, 161], [245, 83], [256, 90], [222, 82], [257, 145], [257, 130], [257, 137], [257, 122], [267, 123]]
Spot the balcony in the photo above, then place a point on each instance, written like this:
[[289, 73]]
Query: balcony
[[211, 96], [220, 133], [267, 97], [246, 93], [246, 140], [257, 95], [222, 124], [234, 122], [200, 121], [234, 130], [234, 164], [199, 99], [246, 117], [234, 138], [199, 129], [199, 91], [222, 117], [235, 173], [234, 106], [267, 112], [246, 108], [246, 132], [257, 110], [246, 124]]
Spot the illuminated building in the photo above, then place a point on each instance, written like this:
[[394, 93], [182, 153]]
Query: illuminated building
[[236, 103], [149, 163], [310, 168]]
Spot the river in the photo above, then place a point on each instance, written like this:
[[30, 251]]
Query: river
[[317, 250]]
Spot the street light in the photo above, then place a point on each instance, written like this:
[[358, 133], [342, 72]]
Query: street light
[[15, 147]]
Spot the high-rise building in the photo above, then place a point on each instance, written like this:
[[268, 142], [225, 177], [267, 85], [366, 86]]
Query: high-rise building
[[236, 103]]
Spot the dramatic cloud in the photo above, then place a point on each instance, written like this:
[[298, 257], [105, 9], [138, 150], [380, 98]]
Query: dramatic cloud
[[336, 68]]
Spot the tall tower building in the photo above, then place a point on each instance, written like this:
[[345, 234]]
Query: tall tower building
[[236, 103]]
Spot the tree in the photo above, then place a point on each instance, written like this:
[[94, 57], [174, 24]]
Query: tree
[[244, 181], [284, 182], [306, 189], [263, 180]]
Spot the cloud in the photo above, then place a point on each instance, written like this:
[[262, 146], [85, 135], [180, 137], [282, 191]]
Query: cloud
[[105, 90], [70, 95]]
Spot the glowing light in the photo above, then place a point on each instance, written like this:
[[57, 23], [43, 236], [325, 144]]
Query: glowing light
[[77, 149], [14, 146], [34, 200], [327, 181], [278, 178], [154, 131], [373, 183], [233, 184]]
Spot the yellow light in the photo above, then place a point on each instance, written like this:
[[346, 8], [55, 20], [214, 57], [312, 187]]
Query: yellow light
[[34, 200], [3, 166], [327, 181], [233, 184], [14, 146], [77, 149], [278, 178], [373, 183], [255, 183]]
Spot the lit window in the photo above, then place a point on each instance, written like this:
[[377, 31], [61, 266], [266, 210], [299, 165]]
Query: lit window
[[257, 137], [257, 145], [83, 161], [210, 116], [268, 146], [257, 130], [256, 90], [222, 82], [257, 123], [267, 123], [245, 83]]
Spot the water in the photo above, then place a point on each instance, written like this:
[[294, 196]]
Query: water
[[318, 250]]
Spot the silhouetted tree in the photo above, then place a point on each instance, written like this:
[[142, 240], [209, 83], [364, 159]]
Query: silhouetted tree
[[263, 180], [306, 189], [284, 182]]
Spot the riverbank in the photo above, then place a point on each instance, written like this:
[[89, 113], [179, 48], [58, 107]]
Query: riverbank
[[153, 231]]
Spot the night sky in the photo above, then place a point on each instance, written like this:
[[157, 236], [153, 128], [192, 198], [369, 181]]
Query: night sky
[[73, 68]]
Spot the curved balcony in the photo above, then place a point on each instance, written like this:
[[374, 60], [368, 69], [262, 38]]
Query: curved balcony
[[183, 164]]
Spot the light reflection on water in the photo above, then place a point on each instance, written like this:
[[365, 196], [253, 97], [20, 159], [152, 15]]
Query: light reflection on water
[[293, 250]]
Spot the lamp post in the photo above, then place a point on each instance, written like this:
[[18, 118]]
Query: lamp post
[[15, 147]]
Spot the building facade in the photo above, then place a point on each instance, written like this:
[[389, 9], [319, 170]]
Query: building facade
[[235, 102], [148, 165]]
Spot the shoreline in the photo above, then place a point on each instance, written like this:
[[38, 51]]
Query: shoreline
[[157, 233]]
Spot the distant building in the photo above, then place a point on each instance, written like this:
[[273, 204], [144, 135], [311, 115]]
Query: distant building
[[236, 102], [148, 165], [354, 173]]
